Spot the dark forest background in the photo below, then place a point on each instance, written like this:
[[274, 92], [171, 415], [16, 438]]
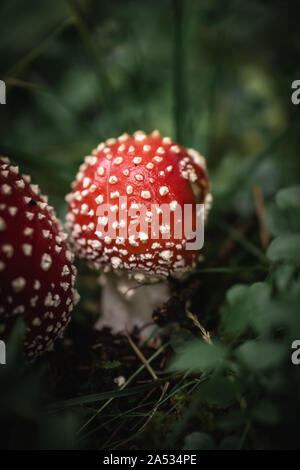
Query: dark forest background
[[215, 76]]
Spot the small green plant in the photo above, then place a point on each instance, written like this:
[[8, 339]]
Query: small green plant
[[251, 387]]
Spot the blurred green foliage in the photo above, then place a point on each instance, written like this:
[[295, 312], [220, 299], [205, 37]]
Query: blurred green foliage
[[217, 77], [253, 384]]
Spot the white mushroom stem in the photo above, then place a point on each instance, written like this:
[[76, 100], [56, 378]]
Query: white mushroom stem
[[126, 304]]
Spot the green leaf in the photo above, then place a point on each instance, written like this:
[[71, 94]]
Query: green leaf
[[198, 441], [289, 198], [259, 356], [285, 248], [199, 355], [283, 276], [236, 293], [284, 216], [246, 305], [220, 391], [276, 220]]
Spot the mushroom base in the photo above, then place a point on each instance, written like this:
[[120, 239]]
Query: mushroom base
[[126, 304]]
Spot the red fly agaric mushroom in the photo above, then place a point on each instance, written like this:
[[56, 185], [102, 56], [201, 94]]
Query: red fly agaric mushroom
[[37, 274], [120, 200]]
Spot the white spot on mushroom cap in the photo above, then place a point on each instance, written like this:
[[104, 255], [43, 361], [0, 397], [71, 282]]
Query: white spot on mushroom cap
[[6, 189], [100, 146], [166, 255], [175, 148], [163, 190], [46, 262], [143, 236], [198, 159], [86, 182], [29, 215], [99, 199], [13, 210], [65, 271], [113, 179], [20, 184], [146, 194], [27, 249], [65, 285], [2, 224], [116, 262], [173, 205], [123, 137], [8, 250], [18, 284], [111, 141], [139, 135]]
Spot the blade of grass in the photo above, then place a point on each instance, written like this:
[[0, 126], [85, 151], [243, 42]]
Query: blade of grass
[[98, 397], [163, 392], [157, 353], [140, 405], [141, 356]]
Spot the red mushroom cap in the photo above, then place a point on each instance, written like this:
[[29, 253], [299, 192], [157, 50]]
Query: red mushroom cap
[[37, 274], [147, 170]]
